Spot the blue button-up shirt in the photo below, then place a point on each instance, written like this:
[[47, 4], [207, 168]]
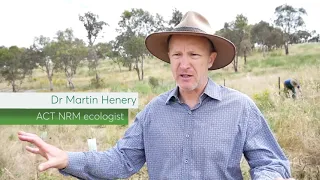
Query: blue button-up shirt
[[177, 142]]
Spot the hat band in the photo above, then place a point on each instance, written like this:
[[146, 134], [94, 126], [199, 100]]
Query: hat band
[[185, 28]]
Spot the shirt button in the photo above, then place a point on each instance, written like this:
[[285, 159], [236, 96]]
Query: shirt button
[[186, 161], [187, 136], [189, 112]]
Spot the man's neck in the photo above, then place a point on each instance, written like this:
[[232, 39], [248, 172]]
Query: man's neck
[[191, 98]]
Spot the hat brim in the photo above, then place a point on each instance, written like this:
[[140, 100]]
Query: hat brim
[[156, 44]]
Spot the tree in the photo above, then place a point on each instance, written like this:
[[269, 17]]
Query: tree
[[103, 50], [275, 39], [238, 32], [266, 35], [134, 47], [136, 22], [15, 64], [93, 27], [176, 18], [242, 35], [245, 49], [115, 54], [44, 56], [289, 19], [228, 32], [69, 54], [159, 23], [314, 37], [300, 36], [134, 26], [260, 33]]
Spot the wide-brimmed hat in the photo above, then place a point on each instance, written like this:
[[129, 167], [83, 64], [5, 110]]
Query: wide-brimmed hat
[[192, 23]]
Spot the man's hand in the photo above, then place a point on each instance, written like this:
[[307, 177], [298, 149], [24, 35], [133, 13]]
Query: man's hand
[[56, 158]]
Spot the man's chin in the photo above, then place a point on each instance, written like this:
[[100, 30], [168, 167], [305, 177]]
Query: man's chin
[[187, 87]]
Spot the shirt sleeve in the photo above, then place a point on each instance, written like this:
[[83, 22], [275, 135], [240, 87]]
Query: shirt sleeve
[[123, 160], [263, 153]]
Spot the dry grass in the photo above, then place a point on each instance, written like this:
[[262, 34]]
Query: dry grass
[[23, 164], [296, 123], [297, 127]]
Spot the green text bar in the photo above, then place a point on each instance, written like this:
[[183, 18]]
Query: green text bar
[[63, 116]]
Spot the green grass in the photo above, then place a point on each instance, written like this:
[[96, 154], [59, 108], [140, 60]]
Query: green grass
[[291, 61]]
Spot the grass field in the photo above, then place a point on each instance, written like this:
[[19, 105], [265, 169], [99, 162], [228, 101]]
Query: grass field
[[296, 123]]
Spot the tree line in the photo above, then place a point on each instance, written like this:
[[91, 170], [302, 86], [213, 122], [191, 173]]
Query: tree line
[[65, 52]]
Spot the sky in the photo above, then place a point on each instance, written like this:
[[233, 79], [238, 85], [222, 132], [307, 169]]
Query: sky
[[22, 21]]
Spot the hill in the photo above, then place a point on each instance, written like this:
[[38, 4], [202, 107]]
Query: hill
[[296, 123]]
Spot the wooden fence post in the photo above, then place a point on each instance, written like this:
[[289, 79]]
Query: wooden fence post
[[279, 85]]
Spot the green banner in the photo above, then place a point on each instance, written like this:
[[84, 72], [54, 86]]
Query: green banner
[[63, 116]]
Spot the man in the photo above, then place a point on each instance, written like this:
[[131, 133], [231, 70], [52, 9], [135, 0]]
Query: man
[[198, 130], [291, 84]]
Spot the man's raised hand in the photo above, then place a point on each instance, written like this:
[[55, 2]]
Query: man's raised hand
[[56, 158]]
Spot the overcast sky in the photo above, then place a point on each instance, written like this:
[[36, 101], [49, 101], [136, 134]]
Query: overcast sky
[[22, 20]]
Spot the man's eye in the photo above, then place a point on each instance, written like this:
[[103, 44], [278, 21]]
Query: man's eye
[[195, 54]]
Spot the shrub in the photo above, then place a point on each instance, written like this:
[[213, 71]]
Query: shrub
[[97, 84], [275, 53], [263, 100], [58, 82], [154, 82]]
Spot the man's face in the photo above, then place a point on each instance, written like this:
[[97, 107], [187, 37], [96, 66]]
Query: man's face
[[190, 58]]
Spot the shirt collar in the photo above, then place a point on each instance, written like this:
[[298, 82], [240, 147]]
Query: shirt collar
[[173, 95], [212, 90]]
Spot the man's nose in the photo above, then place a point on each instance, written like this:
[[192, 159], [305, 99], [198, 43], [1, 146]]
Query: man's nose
[[184, 62]]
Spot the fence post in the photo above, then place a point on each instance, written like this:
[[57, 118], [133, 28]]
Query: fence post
[[279, 84], [224, 82]]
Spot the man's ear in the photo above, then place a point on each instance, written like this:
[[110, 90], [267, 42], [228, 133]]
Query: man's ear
[[212, 57]]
